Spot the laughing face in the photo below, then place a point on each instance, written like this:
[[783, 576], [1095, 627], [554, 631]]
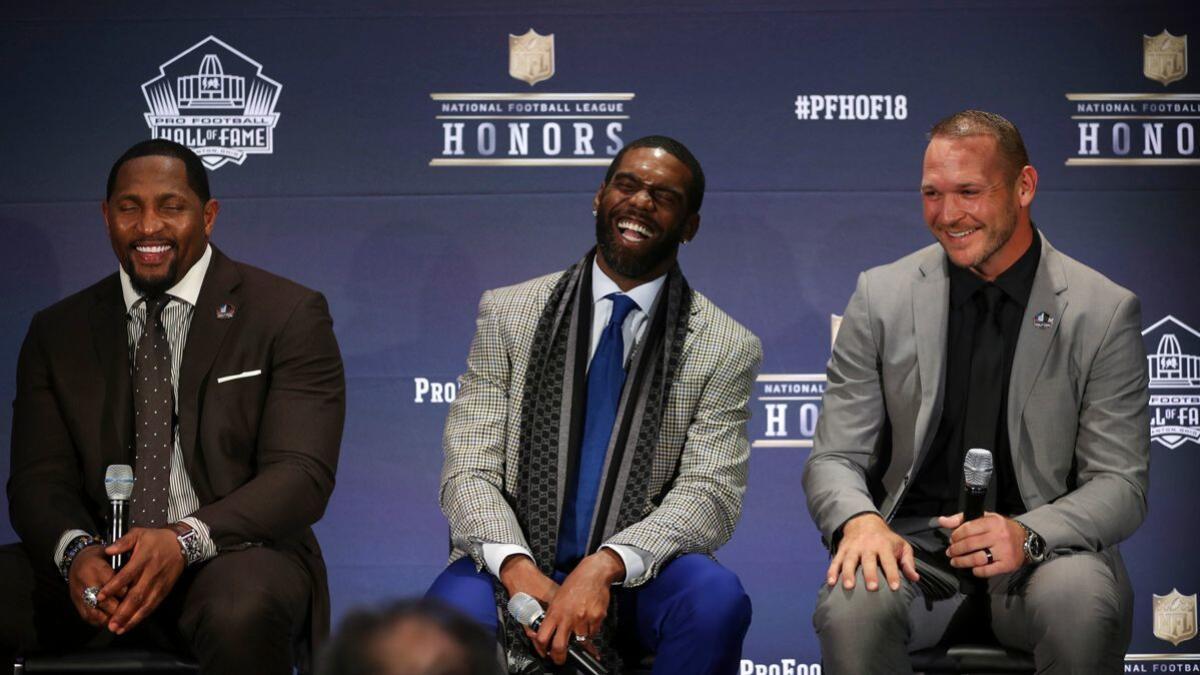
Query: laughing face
[[157, 224], [642, 215], [974, 206]]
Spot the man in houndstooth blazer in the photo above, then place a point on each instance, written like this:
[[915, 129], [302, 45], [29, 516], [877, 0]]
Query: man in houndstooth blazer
[[681, 604]]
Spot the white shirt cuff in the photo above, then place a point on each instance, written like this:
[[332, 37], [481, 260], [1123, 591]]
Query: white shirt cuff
[[494, 555], [61, 549], [208, 550], [634, 559]]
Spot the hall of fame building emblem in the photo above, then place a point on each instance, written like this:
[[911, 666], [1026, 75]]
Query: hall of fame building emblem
[[215, 100], [1173, 356], [1175, 617]]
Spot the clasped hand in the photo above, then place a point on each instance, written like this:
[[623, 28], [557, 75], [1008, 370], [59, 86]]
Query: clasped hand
[[577, 607], [130, 595]]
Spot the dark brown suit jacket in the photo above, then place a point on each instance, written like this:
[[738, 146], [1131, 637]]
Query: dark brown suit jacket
[[261, 451]]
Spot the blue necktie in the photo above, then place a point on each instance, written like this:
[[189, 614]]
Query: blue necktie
[[605, 380]]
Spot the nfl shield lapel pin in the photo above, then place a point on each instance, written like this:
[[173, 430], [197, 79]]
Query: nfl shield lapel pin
[[226, 311], [1043, 320]]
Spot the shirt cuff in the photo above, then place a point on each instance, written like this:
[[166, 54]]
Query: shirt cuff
[[635, 560], [494, 555], [208, 550], [61, 549]]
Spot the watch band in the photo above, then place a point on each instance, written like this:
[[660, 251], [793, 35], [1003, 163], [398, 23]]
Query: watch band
[[189, 543], [73, 548], [1034, 547]]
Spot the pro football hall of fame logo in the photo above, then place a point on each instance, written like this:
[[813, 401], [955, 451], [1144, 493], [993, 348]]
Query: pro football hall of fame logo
[[1149, 128], [530, 128], [1173, 353], [215, 100]]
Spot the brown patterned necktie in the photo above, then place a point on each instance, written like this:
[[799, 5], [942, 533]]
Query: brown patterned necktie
[[153, 412]]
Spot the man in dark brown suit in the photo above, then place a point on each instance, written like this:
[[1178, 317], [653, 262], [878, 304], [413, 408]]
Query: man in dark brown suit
[[234, 442]]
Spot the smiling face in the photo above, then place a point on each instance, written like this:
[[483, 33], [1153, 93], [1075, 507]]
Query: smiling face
[[642, 215], [156, 222], [976, 209]]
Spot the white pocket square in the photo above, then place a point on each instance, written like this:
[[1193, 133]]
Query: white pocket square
[[248, 373]]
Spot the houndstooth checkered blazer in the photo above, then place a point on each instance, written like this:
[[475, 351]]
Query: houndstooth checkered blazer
[[703, 451]]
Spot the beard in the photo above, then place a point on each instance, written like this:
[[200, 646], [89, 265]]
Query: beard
[[157, 286], [629, 264]]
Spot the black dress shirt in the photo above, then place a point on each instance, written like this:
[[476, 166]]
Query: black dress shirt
[[938, 488]]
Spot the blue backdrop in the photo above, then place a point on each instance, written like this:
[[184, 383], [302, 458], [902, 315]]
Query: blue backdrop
[[332, 172]]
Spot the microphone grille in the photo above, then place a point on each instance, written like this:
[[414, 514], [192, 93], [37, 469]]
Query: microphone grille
[[524, 608], [977, 468], [118, 482]]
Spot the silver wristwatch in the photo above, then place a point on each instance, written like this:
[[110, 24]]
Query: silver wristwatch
[[189, 545], [1034, 546]]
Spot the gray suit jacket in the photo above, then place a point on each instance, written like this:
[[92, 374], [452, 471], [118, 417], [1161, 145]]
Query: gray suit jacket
[[1077, 413], [703, 451]]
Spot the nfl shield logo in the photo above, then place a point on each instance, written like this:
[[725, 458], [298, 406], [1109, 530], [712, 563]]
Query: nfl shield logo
[[1164, 57], [531, 57], [1175, 617]]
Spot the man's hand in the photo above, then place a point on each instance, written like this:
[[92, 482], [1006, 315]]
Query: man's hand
[[519, 574], [580, 605], [1004, 537], [154, 566], [868, 541], [91, 568]]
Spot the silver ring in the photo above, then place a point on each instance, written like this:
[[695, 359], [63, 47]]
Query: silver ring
[[580, 638], [988, 552], [90, 596]]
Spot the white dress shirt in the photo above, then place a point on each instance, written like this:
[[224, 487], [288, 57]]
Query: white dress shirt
[[176, 319], [632, 330]]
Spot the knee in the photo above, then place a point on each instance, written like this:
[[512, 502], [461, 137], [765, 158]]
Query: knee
[[716, 601], [859, 613], [1097, 603], [242, 617]]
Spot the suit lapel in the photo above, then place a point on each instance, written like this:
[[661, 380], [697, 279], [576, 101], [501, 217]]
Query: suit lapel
[[931, 306], [1033, 343], [204, 341], [111, 341]]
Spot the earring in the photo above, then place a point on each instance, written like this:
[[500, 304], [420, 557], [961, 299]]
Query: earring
[[593, 213]]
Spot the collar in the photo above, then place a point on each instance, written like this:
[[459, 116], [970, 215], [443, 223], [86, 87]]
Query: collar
[[642, 295], [1016, 281], [187, 290]]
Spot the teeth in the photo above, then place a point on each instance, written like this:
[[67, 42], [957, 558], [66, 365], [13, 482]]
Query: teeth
[[153, 249], [630, 225], [960, 235]]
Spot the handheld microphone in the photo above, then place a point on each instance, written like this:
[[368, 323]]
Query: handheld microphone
[[118, 483], [528, 612], [977, 473]]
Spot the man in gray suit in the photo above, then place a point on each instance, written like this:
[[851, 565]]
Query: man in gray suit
[[599, 438], [991, 339]]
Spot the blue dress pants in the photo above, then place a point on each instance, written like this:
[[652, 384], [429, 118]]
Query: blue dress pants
[[693, 616]]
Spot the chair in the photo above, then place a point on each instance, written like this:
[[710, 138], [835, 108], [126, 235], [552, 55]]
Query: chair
[[976, 658], [106, 661]]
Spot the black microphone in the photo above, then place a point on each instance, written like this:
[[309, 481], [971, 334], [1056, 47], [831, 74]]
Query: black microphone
[[118, 483], [977, 473], [528, 612]]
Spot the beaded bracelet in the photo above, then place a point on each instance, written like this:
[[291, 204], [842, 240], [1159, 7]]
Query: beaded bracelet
[[73, 548]]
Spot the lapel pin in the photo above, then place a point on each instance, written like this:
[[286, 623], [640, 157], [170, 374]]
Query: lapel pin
[[226, 311], [1043, 320]]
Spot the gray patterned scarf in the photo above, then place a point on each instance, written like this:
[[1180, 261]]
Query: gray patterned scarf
[[552, 426]]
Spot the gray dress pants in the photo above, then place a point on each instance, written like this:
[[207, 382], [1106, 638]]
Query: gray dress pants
[[1073, 612]]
